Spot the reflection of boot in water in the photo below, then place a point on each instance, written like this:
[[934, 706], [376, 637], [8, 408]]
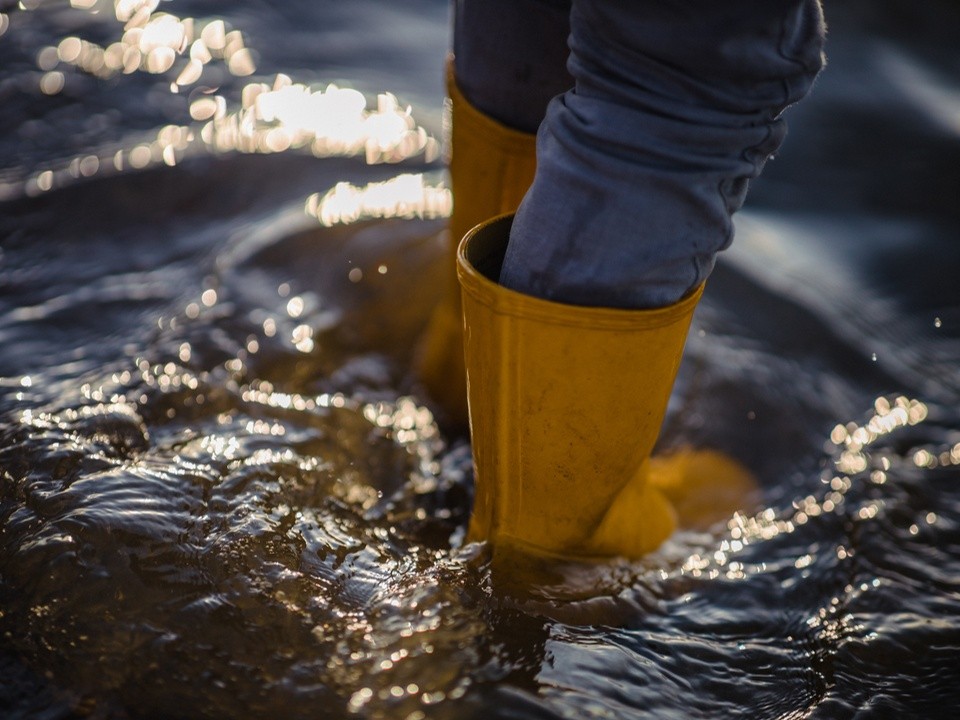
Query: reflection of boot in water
[[491, 167], [566, 403]]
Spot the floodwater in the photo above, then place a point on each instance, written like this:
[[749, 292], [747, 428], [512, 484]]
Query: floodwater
[[223, 496]]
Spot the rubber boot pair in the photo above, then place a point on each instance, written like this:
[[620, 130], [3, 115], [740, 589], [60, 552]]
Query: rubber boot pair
[[565, 402]]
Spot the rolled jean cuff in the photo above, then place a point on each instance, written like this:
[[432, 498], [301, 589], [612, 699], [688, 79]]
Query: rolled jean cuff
[[642, 165]]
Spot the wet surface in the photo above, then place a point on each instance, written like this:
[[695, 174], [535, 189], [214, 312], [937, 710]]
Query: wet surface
[[223, 495]]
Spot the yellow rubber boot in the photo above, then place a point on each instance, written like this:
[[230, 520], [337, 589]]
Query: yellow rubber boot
[[491, 167], [704, 486], [566, 403]]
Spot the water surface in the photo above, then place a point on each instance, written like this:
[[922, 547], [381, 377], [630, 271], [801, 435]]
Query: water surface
[[223, 494]]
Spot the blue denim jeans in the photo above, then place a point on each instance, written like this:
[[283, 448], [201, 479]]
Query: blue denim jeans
[[665, 111]]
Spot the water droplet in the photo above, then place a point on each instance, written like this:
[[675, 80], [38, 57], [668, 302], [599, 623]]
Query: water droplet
[[45, 180], [191, 73], [199, 52], [52, 83], [47, 59], [160, 60], [89, 166], [69, 49], [295, 306], [937, 322], [203, 108], [214, 35], [241, 63], [140, 156]]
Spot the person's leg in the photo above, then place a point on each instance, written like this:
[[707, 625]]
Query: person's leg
[[677, 105], [571, 357], [510, 59]]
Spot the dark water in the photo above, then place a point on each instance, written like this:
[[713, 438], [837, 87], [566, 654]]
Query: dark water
[[223, 496]]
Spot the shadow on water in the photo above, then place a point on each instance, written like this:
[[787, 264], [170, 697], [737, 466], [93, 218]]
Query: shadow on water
[[222, 494]]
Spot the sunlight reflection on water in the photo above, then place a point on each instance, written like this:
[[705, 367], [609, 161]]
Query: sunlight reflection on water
[[217, 480], [273, 117]]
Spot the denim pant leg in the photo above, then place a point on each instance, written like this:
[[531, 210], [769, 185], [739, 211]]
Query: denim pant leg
[[510, 57], [677, 105]]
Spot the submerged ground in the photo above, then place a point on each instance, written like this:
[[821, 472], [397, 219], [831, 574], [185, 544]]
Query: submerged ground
[[223, 495]]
